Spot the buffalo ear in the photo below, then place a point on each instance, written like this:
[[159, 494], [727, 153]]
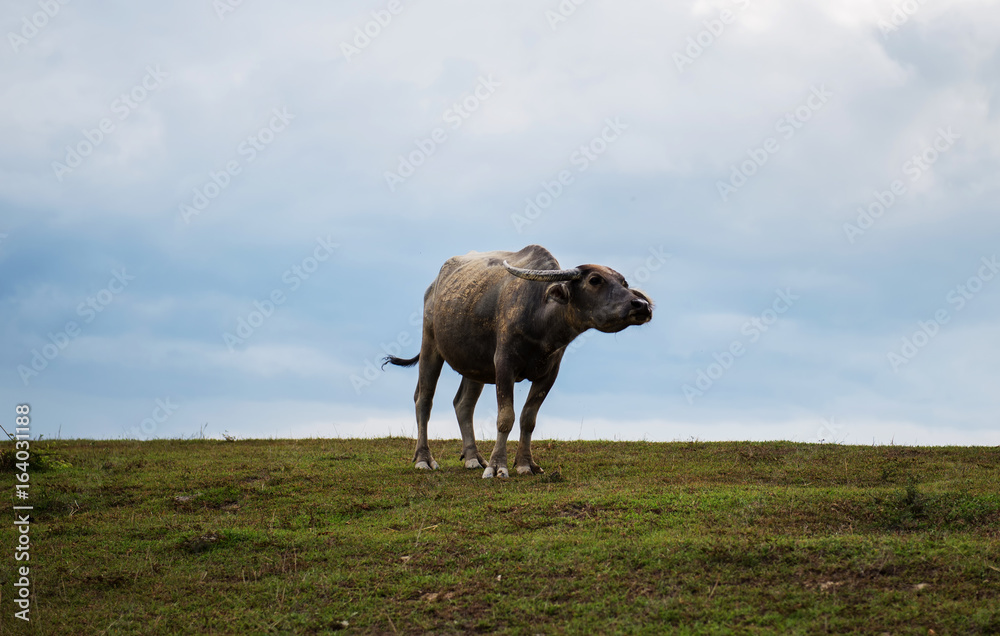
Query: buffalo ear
[[558, 292]]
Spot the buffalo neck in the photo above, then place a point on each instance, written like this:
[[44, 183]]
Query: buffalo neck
[[557, 326]]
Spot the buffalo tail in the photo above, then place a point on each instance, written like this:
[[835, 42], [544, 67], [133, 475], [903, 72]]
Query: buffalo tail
[[400, 362]]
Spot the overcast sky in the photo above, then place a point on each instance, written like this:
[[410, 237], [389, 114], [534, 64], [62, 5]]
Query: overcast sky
[[225, 215]]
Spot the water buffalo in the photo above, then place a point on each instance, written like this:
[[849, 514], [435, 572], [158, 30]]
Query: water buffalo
[[502, 317]]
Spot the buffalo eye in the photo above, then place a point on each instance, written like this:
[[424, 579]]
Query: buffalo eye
[[595, 280], [625, 284]]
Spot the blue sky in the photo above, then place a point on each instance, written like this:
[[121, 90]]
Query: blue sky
[[225, 215]]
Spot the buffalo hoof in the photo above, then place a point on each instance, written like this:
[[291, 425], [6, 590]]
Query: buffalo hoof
[[491, 472], [422, 465], [473, 463]]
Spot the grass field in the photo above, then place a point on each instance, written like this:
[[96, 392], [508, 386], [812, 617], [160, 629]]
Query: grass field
[[315, 536]]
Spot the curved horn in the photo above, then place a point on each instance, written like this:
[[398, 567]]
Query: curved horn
[[544, 275]]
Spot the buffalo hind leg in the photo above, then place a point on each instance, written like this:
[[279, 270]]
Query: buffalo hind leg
[[430, 369], [497, 466], [465, 407], [523, 462]]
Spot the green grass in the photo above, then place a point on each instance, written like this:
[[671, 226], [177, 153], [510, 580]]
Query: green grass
[[315, 536]]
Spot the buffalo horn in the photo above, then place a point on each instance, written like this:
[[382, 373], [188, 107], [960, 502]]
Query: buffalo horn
[[544, 275]]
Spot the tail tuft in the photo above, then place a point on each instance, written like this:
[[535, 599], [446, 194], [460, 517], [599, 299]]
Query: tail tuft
[[400, 362]]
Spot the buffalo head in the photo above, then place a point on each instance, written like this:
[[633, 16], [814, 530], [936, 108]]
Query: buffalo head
[[596, 296]]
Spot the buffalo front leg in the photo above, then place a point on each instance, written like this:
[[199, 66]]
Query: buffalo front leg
[[465, 408], [430, 369], [497, 466], [536, 395]]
